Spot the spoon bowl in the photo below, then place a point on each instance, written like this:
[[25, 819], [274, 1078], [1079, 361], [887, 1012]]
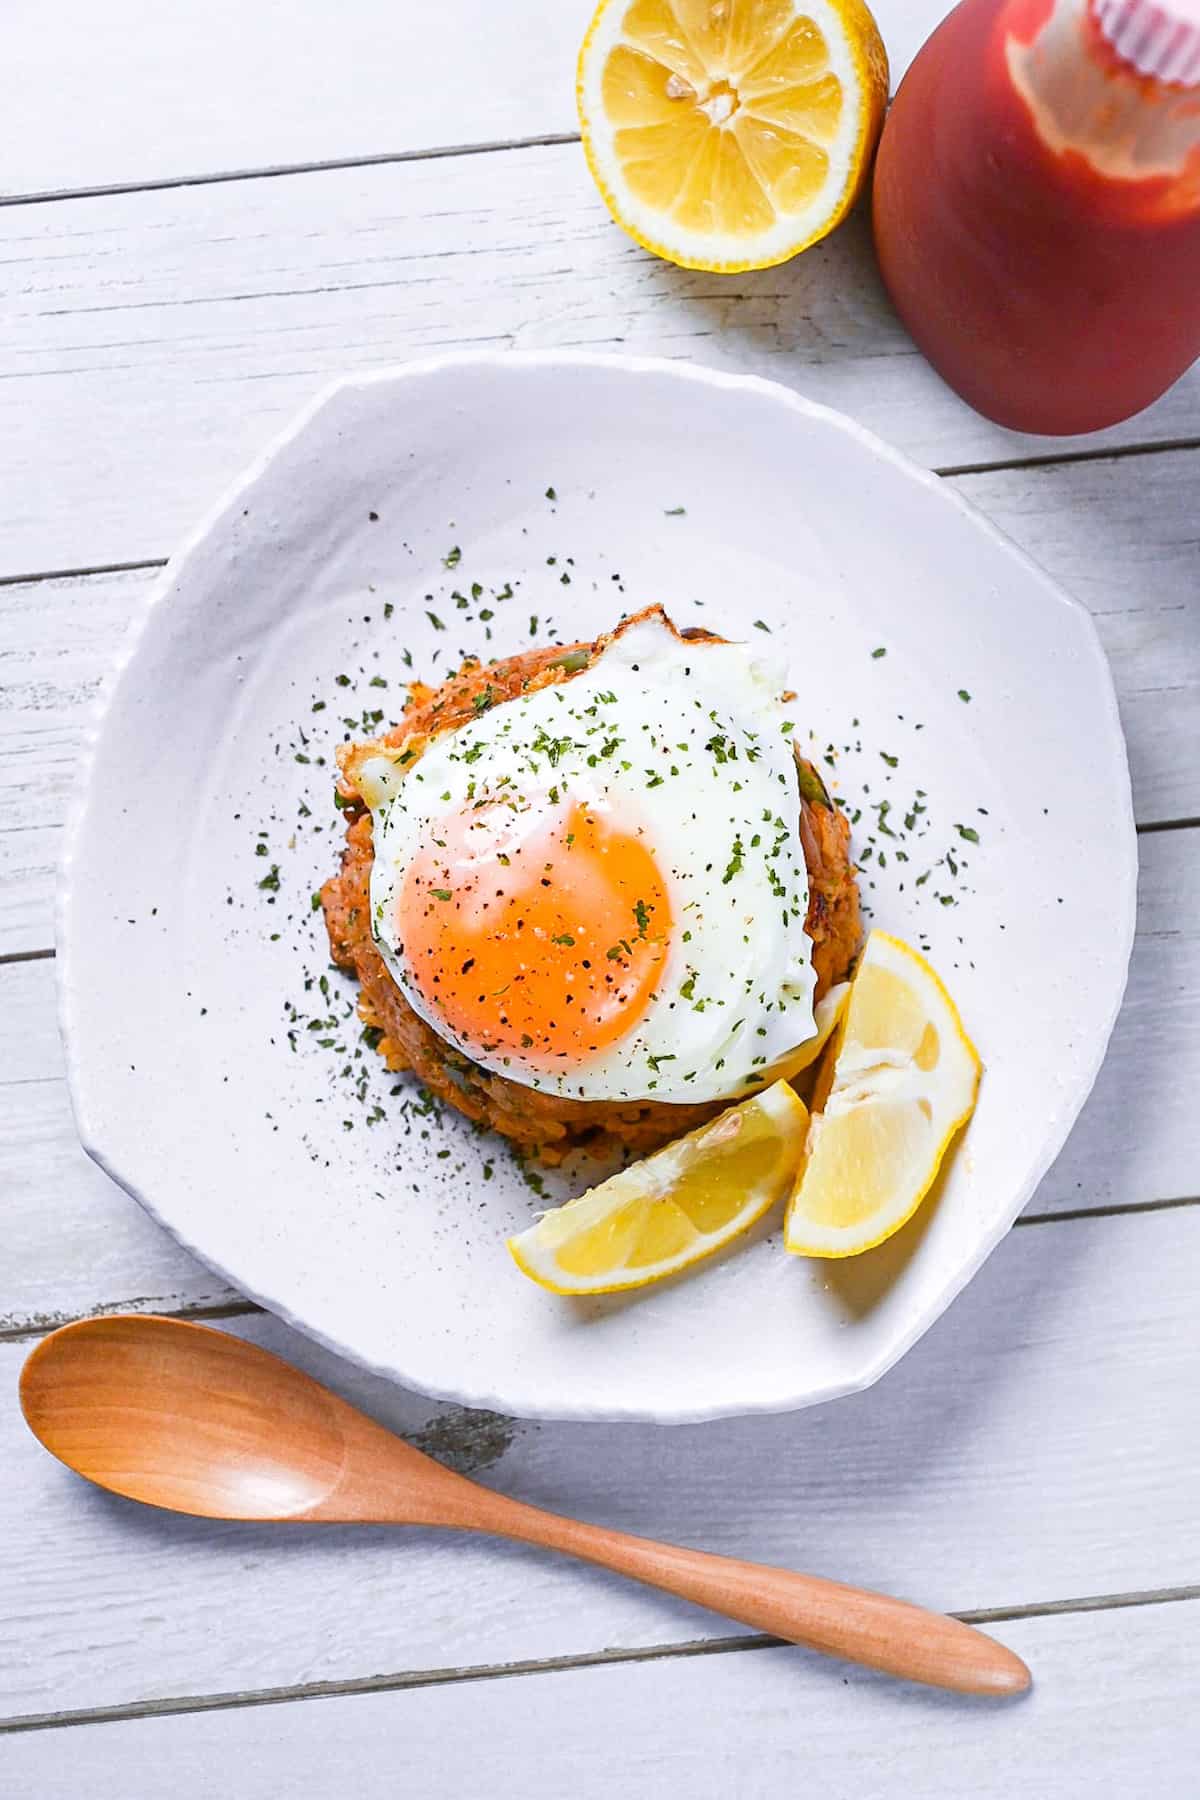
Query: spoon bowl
[[196, 1421], [184, 1418]]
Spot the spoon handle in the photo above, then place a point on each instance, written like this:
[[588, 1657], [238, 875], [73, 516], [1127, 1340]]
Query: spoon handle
[[854, 1623]]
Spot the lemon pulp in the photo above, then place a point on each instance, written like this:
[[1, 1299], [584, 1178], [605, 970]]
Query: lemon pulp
[[673, 1208], [898, 1082], [730, 133]]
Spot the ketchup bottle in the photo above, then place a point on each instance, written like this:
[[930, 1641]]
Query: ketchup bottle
[[1037, 206]]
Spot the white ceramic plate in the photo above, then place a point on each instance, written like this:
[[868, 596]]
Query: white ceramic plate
[[179, 972]]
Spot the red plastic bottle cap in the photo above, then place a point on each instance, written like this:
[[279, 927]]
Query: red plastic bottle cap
[[1156, 37]]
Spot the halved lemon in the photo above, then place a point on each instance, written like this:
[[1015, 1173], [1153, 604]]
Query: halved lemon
[[673, 1208], [898, 1082], [730, 134]]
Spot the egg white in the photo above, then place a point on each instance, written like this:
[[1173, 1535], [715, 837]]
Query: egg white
[[704, 772]]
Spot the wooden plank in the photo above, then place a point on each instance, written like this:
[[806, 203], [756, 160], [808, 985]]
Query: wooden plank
[[170, 92], [164, 337], [1120, 533], [72, 1239], [1123, 536], [74, 1242], [1112, 1712], [57, 641], [933, 1484]]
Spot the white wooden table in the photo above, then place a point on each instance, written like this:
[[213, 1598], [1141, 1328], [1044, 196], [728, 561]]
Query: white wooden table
[[213, 209]]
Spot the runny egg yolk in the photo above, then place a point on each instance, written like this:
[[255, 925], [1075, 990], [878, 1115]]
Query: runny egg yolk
[[541, 932]]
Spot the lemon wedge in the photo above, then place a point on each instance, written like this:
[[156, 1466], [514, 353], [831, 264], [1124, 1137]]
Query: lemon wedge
[[673, 1208], [730, 134], [898, 1082]]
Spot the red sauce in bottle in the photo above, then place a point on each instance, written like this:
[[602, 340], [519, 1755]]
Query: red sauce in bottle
[[1037, 212]]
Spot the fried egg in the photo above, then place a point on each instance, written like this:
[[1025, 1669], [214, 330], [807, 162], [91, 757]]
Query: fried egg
[[598, 888]]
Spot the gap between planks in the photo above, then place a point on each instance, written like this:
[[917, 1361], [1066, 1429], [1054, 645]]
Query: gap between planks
[[115, 568], [1100, 453], [377, 1684], [270, 172]]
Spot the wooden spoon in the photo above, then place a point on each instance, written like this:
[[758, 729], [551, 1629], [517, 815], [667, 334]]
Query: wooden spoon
[[196, 1421]]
